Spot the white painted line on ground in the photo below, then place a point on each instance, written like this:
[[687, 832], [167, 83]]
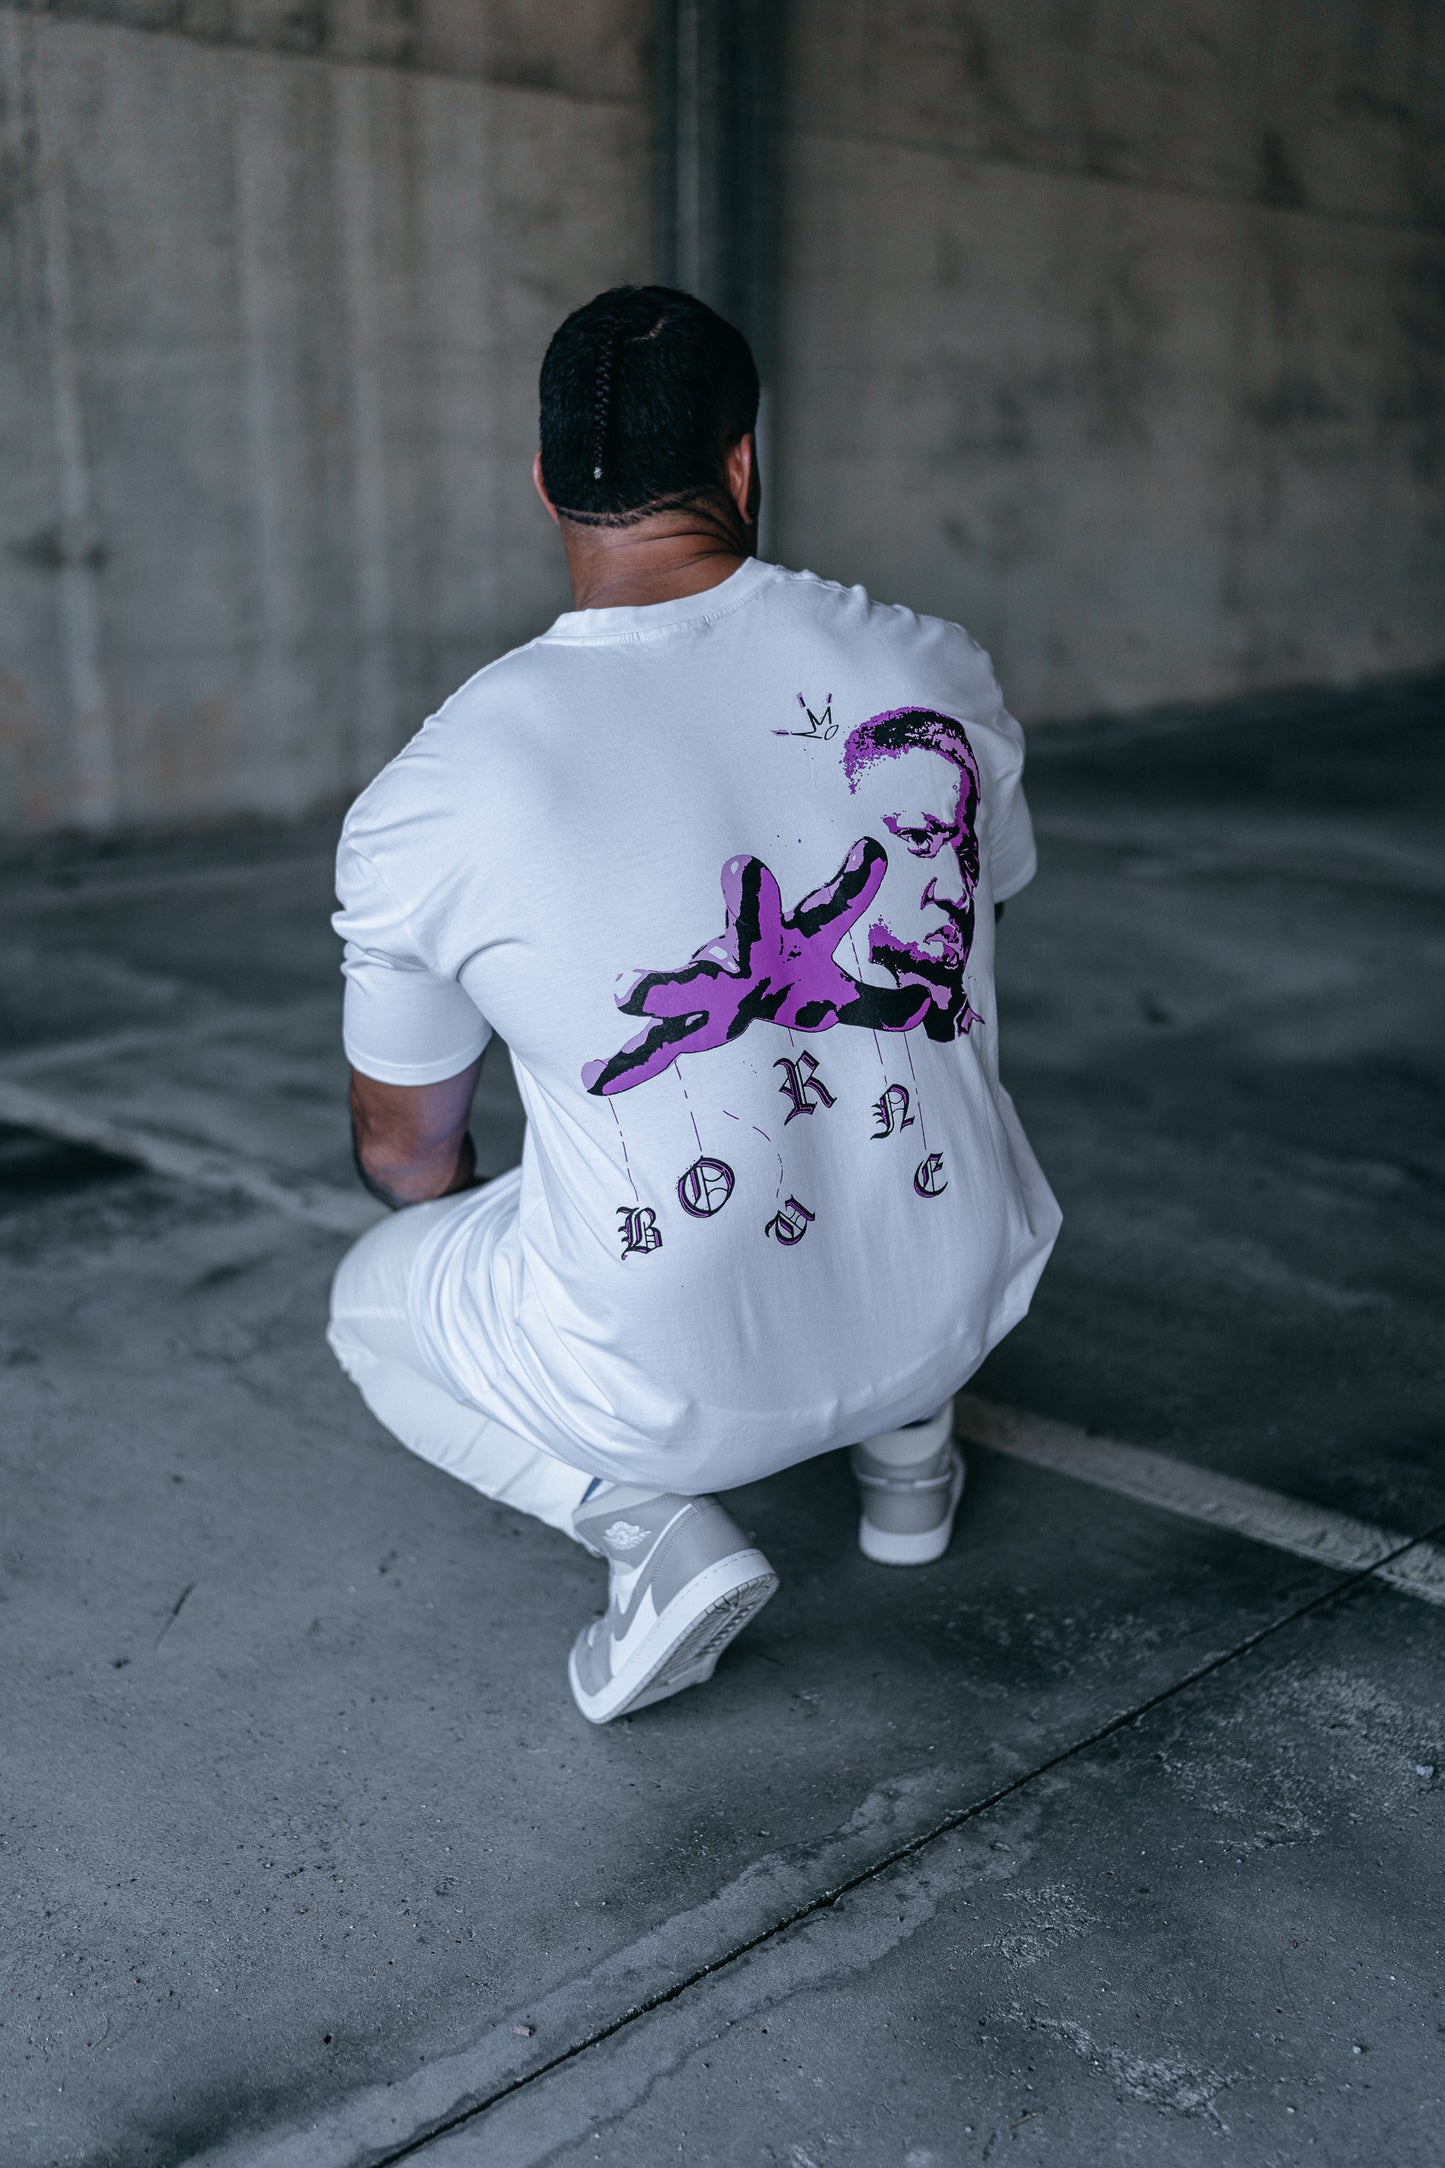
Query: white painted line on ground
[[1198, 1494], [1421, 1572], [1153, 1479], [318, 1204], [702, 1960]]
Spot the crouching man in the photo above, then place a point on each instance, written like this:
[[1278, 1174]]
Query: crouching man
[[719, 856]]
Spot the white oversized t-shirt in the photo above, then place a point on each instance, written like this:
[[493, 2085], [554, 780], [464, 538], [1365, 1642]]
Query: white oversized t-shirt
[[722, 873]]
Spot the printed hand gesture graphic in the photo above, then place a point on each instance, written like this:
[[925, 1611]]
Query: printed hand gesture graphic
[[767, 967]]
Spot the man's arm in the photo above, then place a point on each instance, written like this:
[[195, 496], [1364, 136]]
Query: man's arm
[[411, 1140]]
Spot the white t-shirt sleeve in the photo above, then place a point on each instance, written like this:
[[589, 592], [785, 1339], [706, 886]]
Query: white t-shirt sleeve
[[1013, 856], [403, 1022]]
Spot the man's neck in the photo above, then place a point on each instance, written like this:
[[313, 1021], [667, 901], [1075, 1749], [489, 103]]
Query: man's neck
[[660, 559]]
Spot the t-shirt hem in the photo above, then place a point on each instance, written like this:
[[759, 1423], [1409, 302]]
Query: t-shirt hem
[[435, 1071]]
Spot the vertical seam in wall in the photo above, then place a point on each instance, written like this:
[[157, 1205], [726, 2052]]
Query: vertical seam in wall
[[273, 707], [689, 216], [374, 724], [93, 800]]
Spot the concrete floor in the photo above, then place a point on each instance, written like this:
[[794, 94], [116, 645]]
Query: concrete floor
[[1113, 1838]]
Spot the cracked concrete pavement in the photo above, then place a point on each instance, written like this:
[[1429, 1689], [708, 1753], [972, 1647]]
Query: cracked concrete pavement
[[1111, 1838]]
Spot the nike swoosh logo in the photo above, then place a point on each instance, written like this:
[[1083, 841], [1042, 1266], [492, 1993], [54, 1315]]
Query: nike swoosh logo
[[639, 1622]]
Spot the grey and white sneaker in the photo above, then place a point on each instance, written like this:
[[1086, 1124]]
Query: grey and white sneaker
[[911, 1481], [684, 1580]]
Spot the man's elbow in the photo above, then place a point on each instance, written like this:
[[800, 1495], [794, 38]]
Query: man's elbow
[[419, 1178], [401, 1163], [394, 1181]]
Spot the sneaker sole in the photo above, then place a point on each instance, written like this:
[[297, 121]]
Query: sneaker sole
[[687, 1640], [922, 1548]]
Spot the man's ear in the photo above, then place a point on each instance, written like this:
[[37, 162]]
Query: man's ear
[[743, 479], [541, 489]]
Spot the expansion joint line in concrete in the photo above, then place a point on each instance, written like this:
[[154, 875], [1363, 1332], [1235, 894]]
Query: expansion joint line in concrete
[[1359, 1551], [895, 1855]]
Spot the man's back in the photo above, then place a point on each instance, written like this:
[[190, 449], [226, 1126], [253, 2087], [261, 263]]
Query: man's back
[[722, 871]]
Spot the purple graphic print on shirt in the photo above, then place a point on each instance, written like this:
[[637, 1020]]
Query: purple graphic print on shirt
[[923, 934], [772, 966]]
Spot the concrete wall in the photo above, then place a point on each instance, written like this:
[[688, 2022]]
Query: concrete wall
[[1113, 329], [1116, 330], [274, 283]]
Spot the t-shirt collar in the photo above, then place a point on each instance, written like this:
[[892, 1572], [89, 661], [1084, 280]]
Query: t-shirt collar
[[633, 619]]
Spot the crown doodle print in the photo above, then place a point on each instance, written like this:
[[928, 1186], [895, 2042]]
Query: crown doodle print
[[771, 965]]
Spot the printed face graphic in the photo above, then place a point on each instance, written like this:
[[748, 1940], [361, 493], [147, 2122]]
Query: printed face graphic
[[920, 929], [907, 903]]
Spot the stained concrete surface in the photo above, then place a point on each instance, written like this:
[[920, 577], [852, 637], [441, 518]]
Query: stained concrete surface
[[1202, 1942], [1115, 330], [307, 1851], [276, 285], [1141, 367]]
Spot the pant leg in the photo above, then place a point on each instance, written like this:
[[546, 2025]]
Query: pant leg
[[371, 1336], [914, 1442]]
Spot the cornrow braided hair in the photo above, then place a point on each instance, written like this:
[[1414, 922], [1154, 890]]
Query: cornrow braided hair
[[602, 405], [642, 391]]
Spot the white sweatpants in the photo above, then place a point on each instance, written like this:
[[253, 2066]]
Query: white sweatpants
[[372, 1338]]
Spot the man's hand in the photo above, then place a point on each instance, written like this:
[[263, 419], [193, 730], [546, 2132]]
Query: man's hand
[[411, 1140]]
